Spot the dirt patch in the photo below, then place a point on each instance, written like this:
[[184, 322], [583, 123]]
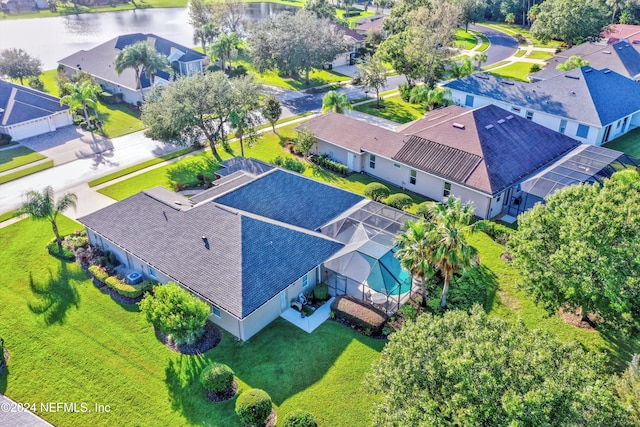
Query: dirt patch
[[506, 257], [571, 318], [225, 395], [209, 340], [508, 300]]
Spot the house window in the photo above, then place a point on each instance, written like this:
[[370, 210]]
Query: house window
[[529, 115], [152, 271], [305, 281], [412, 177], [395, 165], [372, 161], [516, 109], [216, 311], [563, 126], [583, 131], [447, 189], [468, 101]]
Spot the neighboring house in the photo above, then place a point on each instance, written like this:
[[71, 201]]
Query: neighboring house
[[17, 6], [592, 106], [26, 112], [482, 156], [629, 33], [100, 63], [250, 244], [375, 25], [620, 57], [354, 41]]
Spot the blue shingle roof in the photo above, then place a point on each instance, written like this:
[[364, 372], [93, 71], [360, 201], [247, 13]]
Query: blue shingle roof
[[292, 199], [21, 104]]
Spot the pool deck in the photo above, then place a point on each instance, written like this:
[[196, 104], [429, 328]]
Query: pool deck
[[308, 323]]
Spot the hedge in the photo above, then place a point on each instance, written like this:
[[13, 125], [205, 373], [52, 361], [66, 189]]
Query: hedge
[[127, 290], [289, 163], [63, 253], [98, 273], [216, 377], [376, 191], [498, 232], [359, 313], [399, 201], [299, 418], [254, 407], [324, 161]]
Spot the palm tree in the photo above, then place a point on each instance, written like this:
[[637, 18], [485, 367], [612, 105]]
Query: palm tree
[[573, 62], [451, 253], [205, 35], [461, 69], [41, 206], [480, 58], [414, 247], [82, 95], [336, 102], [224, 46], [243, 122], [430, 98], [141, 56]]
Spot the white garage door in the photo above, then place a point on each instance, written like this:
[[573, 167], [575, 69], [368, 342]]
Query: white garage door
[[19, 132]]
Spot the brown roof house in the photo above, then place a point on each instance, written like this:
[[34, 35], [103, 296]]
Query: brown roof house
[[482, 155]]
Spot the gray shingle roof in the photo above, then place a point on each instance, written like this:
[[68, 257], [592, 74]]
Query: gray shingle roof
[[252, 166], [248, 261], [21, 104], [291, 198], [595, 97]]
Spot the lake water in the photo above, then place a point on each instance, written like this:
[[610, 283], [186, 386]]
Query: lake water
[[52, 39]]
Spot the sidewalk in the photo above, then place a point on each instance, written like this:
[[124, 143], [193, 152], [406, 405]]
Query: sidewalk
[[12, 414]]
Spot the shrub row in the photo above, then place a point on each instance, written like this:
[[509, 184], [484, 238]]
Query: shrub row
[[97, 272], [119, 285], [63, 253], [291, 164], [325, 162], [498, 232], [358, 313]]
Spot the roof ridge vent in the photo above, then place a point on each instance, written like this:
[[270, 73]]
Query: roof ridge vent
[[501, 121], [606, 71], [483, 76], [458, 125], [488, 127], [588, 70], [572, 77], [606, 52], [509, 117], [507, 82]]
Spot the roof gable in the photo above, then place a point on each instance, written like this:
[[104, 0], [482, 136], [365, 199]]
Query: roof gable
[[290, 198], [21, 104]]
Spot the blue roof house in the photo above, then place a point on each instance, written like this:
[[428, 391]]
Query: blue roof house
[[100, 63], [589, 105], [26, 112]]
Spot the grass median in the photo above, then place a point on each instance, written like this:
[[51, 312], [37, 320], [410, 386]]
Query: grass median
[[26, 171], [16, 157]]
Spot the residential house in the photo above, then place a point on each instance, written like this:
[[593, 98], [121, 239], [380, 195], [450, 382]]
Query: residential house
[[253, 242], [592, 106], [26, 112], [372, 25], [17, 6], [100, 63], [620, 57], [482, 156], [615, 32], [353, 41]]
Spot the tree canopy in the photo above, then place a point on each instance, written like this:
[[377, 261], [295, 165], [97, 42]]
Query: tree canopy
[[18, 64], [570, 21], [190, 108], [580, 250], [572, 63], [294, 43], [141, 56], [470, 370], [373, 74]]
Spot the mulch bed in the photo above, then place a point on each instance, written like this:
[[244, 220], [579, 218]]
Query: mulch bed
[[209, 340], [225, 395], [576, 320]]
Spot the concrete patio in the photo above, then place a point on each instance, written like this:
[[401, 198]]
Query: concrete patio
[[308, 323]]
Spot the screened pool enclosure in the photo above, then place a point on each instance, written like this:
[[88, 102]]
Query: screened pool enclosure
[[366, 267]]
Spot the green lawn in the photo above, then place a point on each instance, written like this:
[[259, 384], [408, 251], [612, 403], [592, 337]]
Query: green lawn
[[19, 156], [494, 65], [465, 40], [540, 54], [510, 303], [520, 52], [272, 78], [69, 342], [352, 19], [516, 71], [485, 41], [26, 171], [395, 109], [628, 143], [7, 215], [117, 119]]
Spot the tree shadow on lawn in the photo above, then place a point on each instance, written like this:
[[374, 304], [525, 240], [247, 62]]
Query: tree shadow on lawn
[[478, 286], [4, 379], [55, 297], [185, 174]]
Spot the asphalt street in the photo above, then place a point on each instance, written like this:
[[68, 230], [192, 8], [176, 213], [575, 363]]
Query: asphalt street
[[502, 45]]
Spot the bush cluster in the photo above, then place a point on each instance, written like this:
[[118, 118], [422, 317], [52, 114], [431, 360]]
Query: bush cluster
[[399, 201], [63, 253], [289, 163], [119, 285], [253, 407], [324, 161], [321, 292], [216, 377], [498, 232], [299, 418], [359, 313], [405, 91], [99, 273], [376, 191]]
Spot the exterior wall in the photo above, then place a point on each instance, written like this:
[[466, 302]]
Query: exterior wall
[[38, 126], [336, 153], [549, 121]]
